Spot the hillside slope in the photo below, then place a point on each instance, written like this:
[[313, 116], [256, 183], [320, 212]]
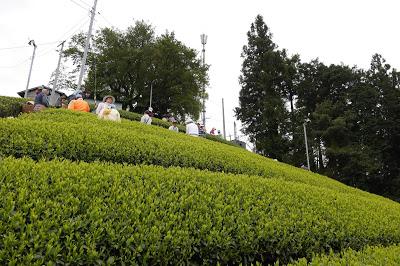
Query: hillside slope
[[136, 194], [80, 213], [78, 136]]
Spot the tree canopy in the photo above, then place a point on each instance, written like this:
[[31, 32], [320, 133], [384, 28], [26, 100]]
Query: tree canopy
[[129, 64], [354, 114]]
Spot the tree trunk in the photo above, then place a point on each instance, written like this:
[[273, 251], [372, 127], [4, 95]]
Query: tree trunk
[[291, 103]]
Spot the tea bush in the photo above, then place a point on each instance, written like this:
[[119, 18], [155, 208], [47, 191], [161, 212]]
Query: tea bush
[[377, 256], [155, 121], [62, 212], [80, 136], [10, 106], [164, 124]]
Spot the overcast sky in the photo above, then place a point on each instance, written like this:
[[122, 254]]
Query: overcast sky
[[334, 31]]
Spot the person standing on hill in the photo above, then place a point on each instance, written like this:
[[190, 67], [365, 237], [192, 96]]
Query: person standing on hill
[[79, 104], [41, 100], [202, 131], [146, 119], [191, 128]]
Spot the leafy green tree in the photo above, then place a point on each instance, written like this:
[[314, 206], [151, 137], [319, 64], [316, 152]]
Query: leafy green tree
[[129, 63], [177, 77], [66, 80], [261, 108]]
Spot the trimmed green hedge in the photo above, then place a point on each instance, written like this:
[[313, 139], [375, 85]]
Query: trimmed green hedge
[[11, 106], [369, 256], [155, 121], [161, 123], [60, 212], [219, 139], [79, 136]]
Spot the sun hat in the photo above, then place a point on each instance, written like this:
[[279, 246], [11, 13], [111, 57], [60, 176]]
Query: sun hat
[[109, 96]]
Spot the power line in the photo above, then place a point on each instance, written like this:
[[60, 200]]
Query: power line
[[18, 64], [105, 19], [69, 36], [86, 4], [46, 51], [27, 46], [15, 47], [76, 3], [80, 24]]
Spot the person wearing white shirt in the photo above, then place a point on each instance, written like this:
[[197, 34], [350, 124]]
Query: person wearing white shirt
[[108, 102], [146, 119], [174, 127], [106, 110], [192, 129]]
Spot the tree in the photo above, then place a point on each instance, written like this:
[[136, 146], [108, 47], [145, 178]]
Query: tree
[[261, 108], [178, 77], [66, 80], [385, 136], [354, 129], [129, 63]]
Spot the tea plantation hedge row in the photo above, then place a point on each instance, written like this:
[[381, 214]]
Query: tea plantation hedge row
[[155, 121], [10, 106], [78, 136], [369, 256], [72, 213], [158, 122]]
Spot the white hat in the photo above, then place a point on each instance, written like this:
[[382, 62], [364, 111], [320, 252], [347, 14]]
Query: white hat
[[109, 96]]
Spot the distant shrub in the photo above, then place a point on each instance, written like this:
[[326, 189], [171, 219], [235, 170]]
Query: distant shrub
[[11, 106]]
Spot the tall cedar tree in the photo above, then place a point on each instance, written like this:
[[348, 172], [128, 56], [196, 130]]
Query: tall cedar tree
[[261, 107], [354, 133]]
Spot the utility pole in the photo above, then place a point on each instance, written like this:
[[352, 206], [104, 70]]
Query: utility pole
[[234, 130], [203, 38], [306, 143], [151, 93], [89, 35], [31, 42], [223, 118], [53, 95]]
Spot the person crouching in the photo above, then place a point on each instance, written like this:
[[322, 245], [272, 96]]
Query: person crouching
[[79, 104], [107, 110]]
